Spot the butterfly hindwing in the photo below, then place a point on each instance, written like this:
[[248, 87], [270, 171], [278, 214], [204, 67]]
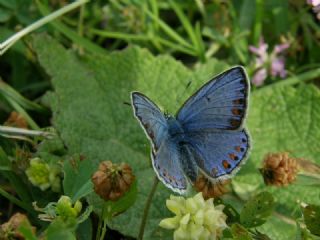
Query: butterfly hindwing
[[219, 153], [166, 164], [150, 117], [219, 104]]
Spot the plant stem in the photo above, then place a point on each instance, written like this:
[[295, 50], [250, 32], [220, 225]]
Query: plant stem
[[147, 207], [15, 200], [25, 132], [80, 26], [306, 76], [104, 229], [99, 227], [258, 21], [13, 39]]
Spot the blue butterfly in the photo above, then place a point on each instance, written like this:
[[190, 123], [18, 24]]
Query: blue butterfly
[[206, 135]]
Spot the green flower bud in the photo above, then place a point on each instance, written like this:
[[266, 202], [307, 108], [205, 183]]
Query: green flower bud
[[66, 211], [38, 173], [43, 175]]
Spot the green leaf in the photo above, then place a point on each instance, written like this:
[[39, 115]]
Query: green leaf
[[256, 210], [77, 179], [311, 214], [5, 15], [5, 163], [239, 232], [52, 145], [84, 230], [90, 114], [246, 17], [113, 208], [58, 230], [123, 203], [26, 231]]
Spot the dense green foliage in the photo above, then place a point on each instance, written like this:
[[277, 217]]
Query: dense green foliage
[[78, 83]]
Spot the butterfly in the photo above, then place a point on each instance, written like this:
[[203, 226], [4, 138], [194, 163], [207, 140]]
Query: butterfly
[[206, 136]]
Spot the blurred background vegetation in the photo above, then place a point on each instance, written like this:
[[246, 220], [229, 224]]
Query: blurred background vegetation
[[278, 42]]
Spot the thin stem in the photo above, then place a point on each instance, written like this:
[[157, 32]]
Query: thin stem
[[25, 132], [104, 229], [15, 200], [80, 26], [258, 21], [100, 234], [99, 228], [307, 76], [13, 39], [147, 207]]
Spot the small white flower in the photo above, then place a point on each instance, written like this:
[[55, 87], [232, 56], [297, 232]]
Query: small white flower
[[195, 218]]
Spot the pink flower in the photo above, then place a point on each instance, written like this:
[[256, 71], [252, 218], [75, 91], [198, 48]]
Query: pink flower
[[259, 77], [313, 2], [315, 7], [268, 64], [277, 67], [261, 52]]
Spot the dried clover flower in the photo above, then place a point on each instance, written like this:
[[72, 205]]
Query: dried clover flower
[[16, 120], [195, 218], [43, 175], [111, 181], [279, 169], [210, 189], [10, 229]]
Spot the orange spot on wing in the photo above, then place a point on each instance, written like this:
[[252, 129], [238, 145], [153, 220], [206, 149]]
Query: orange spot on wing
[[236, 111], [225, 164], [238, 148], [232, 156]]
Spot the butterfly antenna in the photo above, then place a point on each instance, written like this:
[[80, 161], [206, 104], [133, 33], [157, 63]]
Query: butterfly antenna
[[184, 91]]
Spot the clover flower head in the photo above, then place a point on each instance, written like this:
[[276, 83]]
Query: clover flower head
[[195, 218], [43, 175], [16, 120], [10, 229], [279, 169], [111, 181], [210, 189]]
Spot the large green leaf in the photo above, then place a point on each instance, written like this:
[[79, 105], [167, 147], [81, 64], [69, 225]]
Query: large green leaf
[[90, 114]]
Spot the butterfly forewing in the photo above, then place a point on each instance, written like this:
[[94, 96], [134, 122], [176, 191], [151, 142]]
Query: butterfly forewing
[[165, 155], [219, 104], [150, 117]]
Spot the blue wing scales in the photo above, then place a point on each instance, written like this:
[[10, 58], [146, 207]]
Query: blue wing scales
[[166, 163], [150, 117], [219, 153], [219, 104]]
